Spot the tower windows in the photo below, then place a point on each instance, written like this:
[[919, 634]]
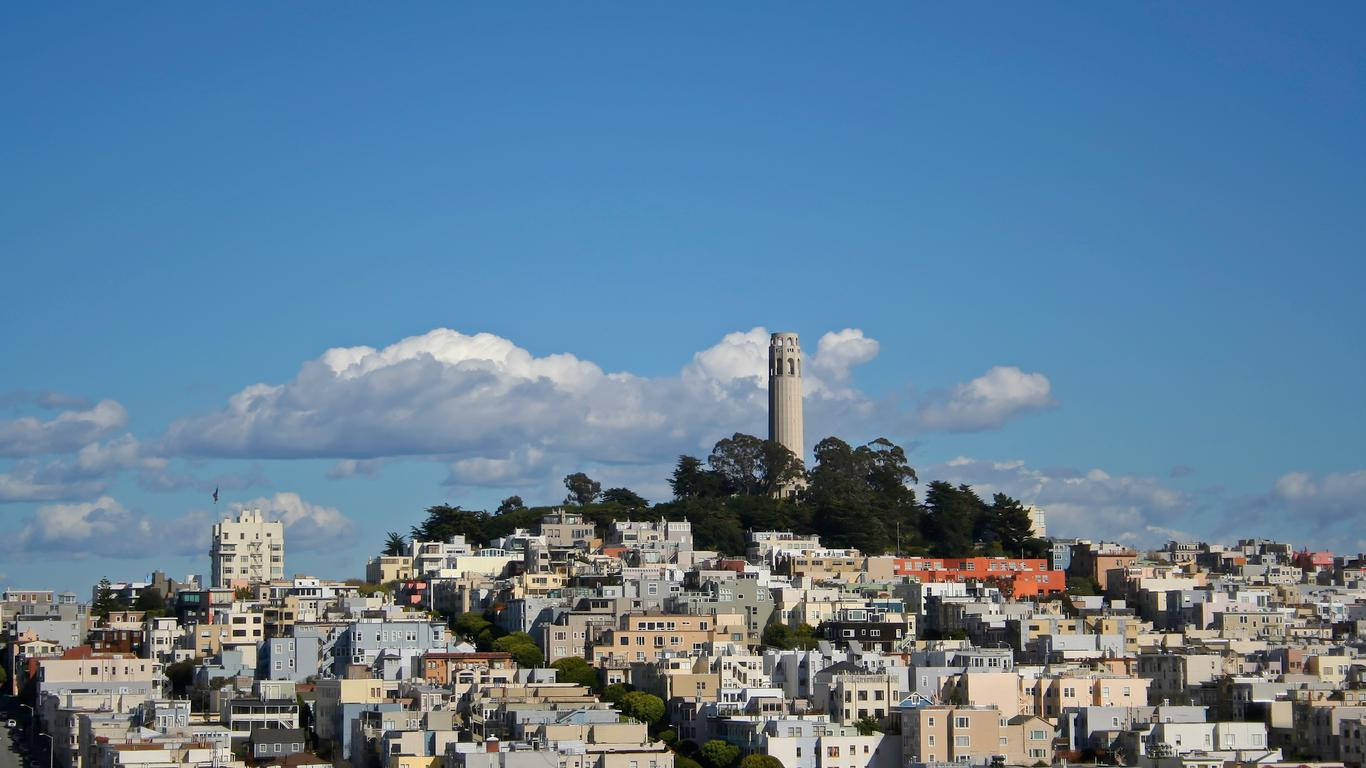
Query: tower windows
[[791, 367]]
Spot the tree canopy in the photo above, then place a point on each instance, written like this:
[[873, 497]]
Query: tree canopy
[[582, 489], [853, 496], [395, 544], [718, 754]]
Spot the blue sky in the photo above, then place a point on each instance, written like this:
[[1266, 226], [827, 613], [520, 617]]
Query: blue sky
[[1108, 259]]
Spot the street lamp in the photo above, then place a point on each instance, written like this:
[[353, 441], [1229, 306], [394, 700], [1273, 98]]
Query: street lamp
[[51, 747], [31, 717]]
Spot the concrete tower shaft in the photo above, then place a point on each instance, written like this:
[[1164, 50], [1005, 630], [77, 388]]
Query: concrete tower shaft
[[785, 392]]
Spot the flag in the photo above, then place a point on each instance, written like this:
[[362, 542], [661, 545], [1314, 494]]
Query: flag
[[215, 494]]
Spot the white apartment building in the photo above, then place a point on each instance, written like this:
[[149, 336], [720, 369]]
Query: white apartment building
[[247, 550]]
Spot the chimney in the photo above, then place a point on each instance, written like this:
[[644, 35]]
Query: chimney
[[491, 746]]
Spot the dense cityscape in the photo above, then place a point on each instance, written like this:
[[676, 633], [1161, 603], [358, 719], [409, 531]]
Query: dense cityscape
[[604, 632], [683, 385]]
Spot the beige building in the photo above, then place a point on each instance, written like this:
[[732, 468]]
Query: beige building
[[1028, 740], [845, 566], [567, 529], [947, 734], [680, 676], [248, 550], [386, 568], [1048, 696], [331, 694], [644, 637]]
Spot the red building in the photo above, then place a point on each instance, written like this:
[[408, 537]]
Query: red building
[[1313, 561], [1018, 577]]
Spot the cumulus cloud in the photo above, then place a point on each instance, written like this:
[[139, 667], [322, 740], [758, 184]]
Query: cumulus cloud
[[308, 526], [520, 467], [486, 404], [1333, 501], [987, 401], [80, 475], [1094, 503], [28, 481], [1302, 508], [106, 528], [499, 416], [67, 431]]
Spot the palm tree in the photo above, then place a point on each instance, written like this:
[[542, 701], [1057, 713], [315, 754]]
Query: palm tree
[[395, 544]]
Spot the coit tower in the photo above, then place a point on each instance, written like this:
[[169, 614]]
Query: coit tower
[[785, 392]]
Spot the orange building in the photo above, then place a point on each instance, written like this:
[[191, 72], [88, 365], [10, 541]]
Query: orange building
[[1018, 577]]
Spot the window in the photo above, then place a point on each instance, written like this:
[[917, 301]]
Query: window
[[961, 741], [960, 722]]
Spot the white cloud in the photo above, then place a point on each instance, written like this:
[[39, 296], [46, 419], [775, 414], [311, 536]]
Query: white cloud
[[308, 526], [354, 468], [1092, 504], [67, 431], [987, 401], [1333, 499], [520, 467], [83, 474], [838, 353], [498, 416], [106, 528], [1301, 508], [27, 481], [481, 400]]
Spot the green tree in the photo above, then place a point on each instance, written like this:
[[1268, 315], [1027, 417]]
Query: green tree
[[861, 496], [614, 693], [1010, 524], [738, 461], [625, 497], [583, 490], [104, 600], [395, 544], [473, 626], [510, 504], [305, 714], [750, 466], [761, 761], [1082, 586], [719, 754], [686, 762], [151, 602], [692, 480], [781, 467], [523, 649], [645, 707], [777, 635], [950, 516], [444, 521], [867, 725], [573, 669], [181, 675], [668, 736]]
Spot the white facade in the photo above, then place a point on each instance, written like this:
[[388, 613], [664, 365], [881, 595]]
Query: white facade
[[247, 550]]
